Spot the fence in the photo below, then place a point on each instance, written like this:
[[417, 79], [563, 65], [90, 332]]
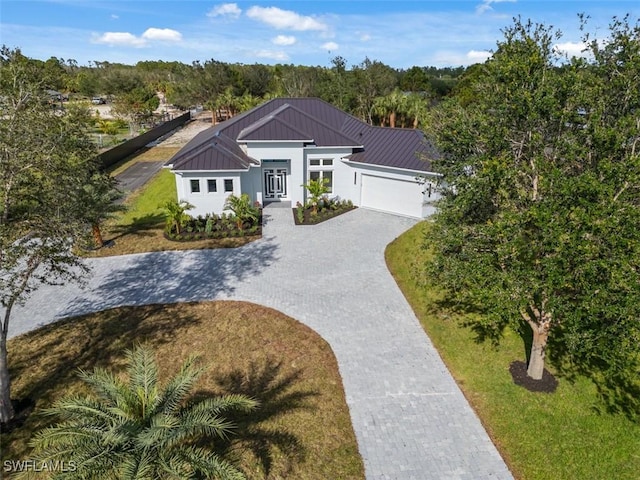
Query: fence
[[113, 156]]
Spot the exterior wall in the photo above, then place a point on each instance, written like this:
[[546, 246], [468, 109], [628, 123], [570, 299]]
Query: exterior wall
[[346, 176], [205, 201]]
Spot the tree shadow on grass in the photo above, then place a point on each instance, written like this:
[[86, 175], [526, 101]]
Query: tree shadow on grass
[[140, 226], [618, 389], [276, 391], [56, 351]]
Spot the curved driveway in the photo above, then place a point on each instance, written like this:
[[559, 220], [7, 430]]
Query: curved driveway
[[410, 418]]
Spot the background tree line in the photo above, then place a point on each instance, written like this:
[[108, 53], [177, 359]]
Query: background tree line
[[371, 90]]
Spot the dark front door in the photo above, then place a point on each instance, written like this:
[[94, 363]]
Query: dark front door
[[275, 183]]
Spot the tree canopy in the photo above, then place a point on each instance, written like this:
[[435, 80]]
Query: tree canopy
[[538, 226], [46, 157]]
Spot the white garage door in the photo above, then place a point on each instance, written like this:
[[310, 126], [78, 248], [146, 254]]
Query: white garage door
[[403, 197]]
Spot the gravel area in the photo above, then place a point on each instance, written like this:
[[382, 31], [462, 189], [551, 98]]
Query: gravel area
[[182, 136]]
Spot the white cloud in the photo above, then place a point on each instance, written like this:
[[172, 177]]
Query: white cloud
[[126, 39], [478, 56], [285, 19], [365, 37], [114, 16], [284, 40], [330, 46], [485, 6], [120, 39], [162, 34], [272, 55], [225, 10], [572, 49]]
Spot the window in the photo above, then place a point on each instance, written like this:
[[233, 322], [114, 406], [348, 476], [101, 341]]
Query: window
[[318, 170], [195, 186], [318, 174], [212, 185], [316, 162], [228, 185]]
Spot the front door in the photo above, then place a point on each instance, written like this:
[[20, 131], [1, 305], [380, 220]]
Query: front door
[[275, 183]]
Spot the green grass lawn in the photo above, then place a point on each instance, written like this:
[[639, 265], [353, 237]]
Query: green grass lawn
[[540, 436], [302, 429]]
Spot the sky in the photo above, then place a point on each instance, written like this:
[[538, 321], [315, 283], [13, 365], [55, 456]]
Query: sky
[[400, 34]]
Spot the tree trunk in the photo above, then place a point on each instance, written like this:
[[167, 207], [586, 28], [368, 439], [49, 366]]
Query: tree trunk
[[97, 236], [6, 407], [538, 351], [540, 322], [392, 120]]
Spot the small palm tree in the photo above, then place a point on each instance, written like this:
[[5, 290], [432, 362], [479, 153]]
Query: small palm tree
[[133, 429], [317, 189], [176, 214], [99, 198], [242, 209]]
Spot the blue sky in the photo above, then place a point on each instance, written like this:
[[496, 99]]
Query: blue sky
[[304, 32]]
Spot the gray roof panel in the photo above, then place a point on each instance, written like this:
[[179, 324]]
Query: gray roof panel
[[304, 119]]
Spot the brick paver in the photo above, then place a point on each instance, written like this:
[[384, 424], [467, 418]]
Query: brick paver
[[410, 418]]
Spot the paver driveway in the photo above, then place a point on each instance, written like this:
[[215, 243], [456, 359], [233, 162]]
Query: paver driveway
[[410, 418]]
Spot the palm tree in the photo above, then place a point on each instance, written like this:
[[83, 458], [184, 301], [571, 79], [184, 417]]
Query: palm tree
[[99, 198], [176, 214], [242, 209], [135, 430]]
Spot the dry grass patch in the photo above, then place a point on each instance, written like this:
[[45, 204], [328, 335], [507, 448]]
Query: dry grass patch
[[302, 430]]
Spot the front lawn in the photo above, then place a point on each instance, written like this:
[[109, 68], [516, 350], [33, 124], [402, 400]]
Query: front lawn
[[303, 428], [540, 435]]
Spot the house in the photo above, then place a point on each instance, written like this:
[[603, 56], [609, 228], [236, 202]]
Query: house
[[270, 151]]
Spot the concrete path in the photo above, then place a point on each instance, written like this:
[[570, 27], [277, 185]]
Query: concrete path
[[410, 419], [137, 175]]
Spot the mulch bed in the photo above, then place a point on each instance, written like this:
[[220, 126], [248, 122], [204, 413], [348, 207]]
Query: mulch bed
[[548, 383], [322, 215]]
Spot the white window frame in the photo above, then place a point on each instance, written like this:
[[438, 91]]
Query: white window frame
[[215, 185], [225, 185], [322, 166], [192, 182]]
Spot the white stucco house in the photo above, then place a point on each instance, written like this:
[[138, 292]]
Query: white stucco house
[[270, 151]]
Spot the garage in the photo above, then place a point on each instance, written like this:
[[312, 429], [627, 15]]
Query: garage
[[393, 195]]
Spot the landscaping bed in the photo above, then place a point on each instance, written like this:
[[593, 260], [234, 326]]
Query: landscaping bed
[[325, 210], [213, 226]]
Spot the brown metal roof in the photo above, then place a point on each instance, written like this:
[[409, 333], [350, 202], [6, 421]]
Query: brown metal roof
[[309, 120]]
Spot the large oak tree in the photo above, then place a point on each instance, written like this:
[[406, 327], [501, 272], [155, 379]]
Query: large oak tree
[[538, 228]]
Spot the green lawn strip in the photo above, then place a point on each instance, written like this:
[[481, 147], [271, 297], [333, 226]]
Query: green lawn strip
[[303, 428], [541, 436], [145, 206]]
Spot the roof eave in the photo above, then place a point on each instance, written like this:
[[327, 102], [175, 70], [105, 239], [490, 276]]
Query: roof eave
[[411, 170]]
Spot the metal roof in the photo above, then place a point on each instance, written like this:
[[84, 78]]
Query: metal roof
[[308, 120]]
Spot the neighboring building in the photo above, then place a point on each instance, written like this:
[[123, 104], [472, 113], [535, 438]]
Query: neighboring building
[[270, 151]]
